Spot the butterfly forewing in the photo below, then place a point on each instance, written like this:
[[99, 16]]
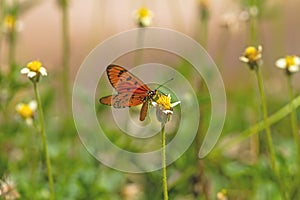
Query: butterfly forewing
[[124, 81]]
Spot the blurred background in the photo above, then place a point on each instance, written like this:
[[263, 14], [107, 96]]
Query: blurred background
[[223, 27], [94, 21]]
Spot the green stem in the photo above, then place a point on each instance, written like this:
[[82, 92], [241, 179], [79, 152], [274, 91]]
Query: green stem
[[66, 55], [204, 27], [12, 50], [139, 52], [2, 8], [276, 117], [254, 140], [293, 117], [253, 26], [1, 39], [163, 160], [265, 117], [44, 140], [253, 32]]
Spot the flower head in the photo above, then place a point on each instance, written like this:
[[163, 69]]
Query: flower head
[[289, 63], [9, 23], [34, 70], [8, 190], [131, 191], [232, 21], [143, 17], [222, 195], [251, 56], [164, 107], [26, 111]]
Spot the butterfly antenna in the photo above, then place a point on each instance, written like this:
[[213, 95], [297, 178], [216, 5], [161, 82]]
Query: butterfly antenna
[[164, 83]]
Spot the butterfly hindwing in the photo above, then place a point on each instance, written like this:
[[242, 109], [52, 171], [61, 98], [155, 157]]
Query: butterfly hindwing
[[123, 100]]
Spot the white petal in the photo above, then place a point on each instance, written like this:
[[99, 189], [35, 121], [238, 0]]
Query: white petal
[[43, 71], [175, 104], [258, 56], [168, 111], [281, 63], [32, 105], [19, 106], [146, 21], [244, 59], [31, 74], [25, 70], [297, 60], [19, 26], [293, 68], [154, 103], [259, 48], [29, 121]]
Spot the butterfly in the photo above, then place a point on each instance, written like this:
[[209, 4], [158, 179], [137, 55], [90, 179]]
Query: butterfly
[[131, 91]]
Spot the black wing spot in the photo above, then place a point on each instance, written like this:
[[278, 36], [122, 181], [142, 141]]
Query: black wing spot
[[109, 67], [135, 83], [121, 72], [129, 78]]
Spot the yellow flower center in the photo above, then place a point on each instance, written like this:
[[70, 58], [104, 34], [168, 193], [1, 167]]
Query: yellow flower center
[[9, 21], [164, 101], [25, 111], [251, 53], [34, 66], [143, 12], [290, 61]]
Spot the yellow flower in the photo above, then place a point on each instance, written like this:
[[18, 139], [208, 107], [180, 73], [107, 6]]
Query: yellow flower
[[34, 69], [26, 111], [9, 22], [164, 107], [222, 195], [143, 17], [289, 63], [251, 56]]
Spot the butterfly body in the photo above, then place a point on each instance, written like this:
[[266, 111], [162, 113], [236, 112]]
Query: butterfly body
[[131, 91]]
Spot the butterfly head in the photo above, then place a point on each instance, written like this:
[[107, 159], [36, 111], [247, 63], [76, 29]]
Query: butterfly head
[[152, 94]]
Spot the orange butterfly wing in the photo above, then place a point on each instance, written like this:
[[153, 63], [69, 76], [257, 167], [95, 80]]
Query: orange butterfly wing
[[123, 100], [124, 81], [131, 90]]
